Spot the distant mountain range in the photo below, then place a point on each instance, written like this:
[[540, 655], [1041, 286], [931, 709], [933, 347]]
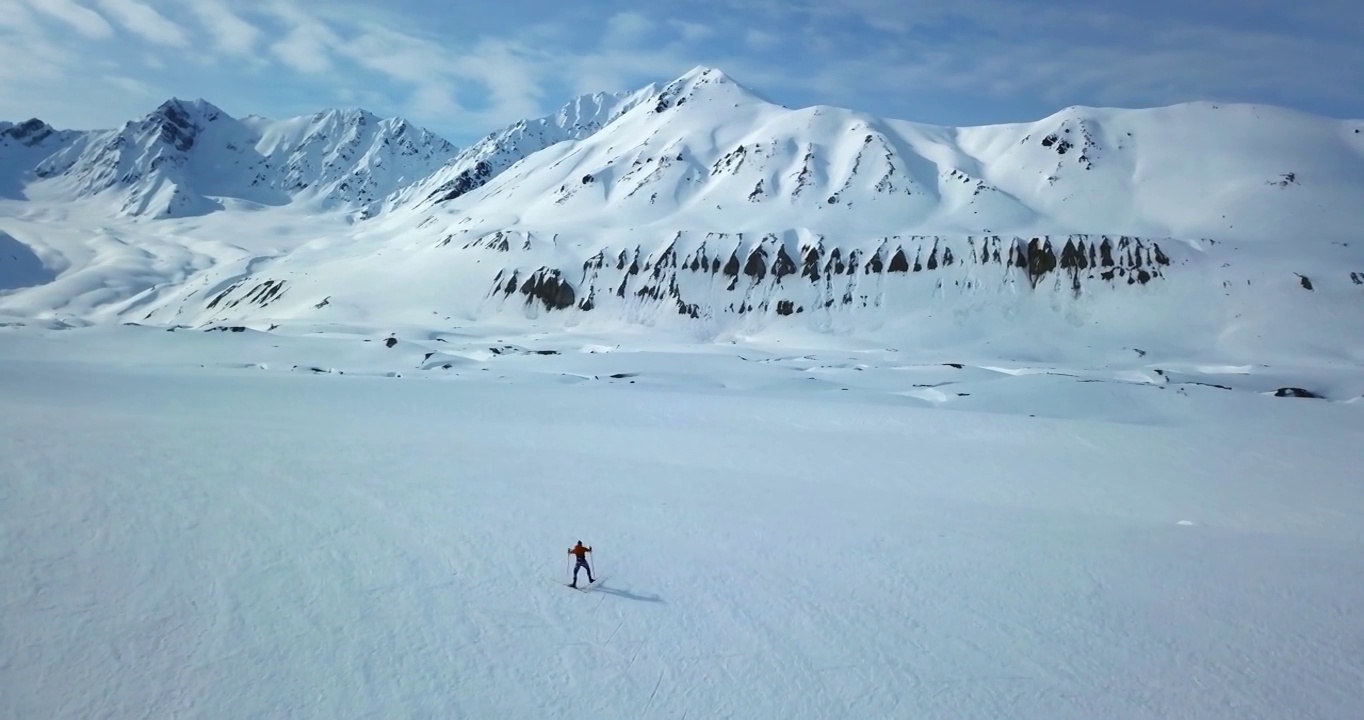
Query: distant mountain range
[[699, 202]]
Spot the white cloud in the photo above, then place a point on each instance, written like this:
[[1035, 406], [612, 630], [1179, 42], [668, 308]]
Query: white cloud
[[146, 22], [83, 20], [308, 46], [230, 32], [628, 29], [435, 100], [692, 32], [131, 86], [759, 40], [512, 75]]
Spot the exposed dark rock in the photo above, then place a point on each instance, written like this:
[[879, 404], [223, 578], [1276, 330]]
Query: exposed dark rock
[[1306, 284], [1041, 258], [835, 264], [732, 267], [958, 366], [29, 132], [785, 307], [810, 266], [1072, 256], [549, 288], [1296, 393], [223, 294], [390, 342], [1106, 253], [783, 265], [467, 181], [898, 262], [756, 267], [1357, 278], [587, 179], [874, 265]]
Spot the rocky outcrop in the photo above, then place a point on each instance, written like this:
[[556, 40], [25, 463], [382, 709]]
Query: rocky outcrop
[[545, 285], [765, 276], [260, 294], [466, 181]]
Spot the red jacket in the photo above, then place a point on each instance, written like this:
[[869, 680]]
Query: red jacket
[[580, 551]]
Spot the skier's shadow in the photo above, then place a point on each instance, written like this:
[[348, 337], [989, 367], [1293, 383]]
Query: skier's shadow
[[629, 595]]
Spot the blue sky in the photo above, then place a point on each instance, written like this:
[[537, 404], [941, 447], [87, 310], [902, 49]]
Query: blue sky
[[465, 68]]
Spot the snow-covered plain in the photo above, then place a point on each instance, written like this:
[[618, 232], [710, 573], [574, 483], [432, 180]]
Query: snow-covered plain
[[204, 525]]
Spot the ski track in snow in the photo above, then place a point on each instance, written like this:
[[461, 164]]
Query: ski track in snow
[[188, 535]]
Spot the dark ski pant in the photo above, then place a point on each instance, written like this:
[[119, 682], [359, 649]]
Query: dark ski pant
[[582, 565]]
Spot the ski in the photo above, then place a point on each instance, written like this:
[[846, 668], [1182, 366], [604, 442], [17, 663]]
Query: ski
[[584, 588]]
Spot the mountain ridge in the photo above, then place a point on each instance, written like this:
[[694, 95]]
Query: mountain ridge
[[698, 205]]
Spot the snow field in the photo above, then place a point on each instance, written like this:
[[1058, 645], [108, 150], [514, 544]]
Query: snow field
[[226, 542]]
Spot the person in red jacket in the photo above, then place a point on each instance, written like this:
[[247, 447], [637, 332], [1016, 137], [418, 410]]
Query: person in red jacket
[[580, 551]]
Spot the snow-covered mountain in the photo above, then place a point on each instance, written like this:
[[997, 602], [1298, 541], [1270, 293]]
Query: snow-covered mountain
[[190, 158], [23, 146], [701, 205], [487, 158]]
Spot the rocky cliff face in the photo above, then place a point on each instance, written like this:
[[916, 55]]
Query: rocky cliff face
[[717, 273]]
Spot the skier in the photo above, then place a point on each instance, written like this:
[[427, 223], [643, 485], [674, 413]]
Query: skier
[[581, 552]]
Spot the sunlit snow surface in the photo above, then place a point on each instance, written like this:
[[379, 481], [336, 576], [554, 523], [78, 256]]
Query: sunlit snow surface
[[215, 525]]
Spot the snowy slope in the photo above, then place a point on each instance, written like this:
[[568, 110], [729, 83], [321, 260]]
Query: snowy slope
[[191, 158], [485, 159]]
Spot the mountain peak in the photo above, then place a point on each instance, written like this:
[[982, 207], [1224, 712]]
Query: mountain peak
[[708, 84], [196, 109], [701, 71], [29, 132]]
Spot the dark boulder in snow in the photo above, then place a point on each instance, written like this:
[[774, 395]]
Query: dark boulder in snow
[[1296, 393]]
